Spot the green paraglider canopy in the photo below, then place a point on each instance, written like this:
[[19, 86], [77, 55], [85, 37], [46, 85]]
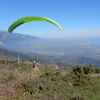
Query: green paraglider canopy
[[31, 18]]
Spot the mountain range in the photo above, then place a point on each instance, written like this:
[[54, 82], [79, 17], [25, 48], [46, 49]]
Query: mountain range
[[15, 40]]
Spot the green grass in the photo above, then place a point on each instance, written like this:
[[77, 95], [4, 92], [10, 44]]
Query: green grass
[[50, 84]]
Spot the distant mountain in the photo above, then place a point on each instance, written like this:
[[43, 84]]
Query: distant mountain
[[1, 44], [15, 40], [16, 37]]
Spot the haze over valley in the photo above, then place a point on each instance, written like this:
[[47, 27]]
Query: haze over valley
[[69, 51]]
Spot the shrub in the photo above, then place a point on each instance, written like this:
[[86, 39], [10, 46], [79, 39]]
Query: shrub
[[82, 81], [97, 71]]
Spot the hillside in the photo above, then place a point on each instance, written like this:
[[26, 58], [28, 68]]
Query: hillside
[[46, 82]]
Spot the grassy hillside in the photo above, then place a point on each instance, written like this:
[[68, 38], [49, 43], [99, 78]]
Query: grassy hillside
[[46, 82]]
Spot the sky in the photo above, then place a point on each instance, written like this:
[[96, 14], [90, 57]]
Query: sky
[[78, 18]]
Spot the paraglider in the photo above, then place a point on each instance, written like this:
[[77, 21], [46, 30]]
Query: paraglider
[[31, 18], [34, 63]]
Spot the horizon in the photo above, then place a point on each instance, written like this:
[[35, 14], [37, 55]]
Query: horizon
[[91, 40]]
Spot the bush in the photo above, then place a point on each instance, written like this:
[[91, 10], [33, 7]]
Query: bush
[[70, 76], [97, 71], [85, 70], [82, 81], [78, 70]]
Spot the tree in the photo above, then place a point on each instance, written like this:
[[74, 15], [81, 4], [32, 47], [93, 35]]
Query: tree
[[90, 69]]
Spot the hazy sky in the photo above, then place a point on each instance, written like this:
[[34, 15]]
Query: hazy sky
[[78, 18]]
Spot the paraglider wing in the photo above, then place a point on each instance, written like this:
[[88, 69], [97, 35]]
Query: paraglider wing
[[16, 26], [31, 18]]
